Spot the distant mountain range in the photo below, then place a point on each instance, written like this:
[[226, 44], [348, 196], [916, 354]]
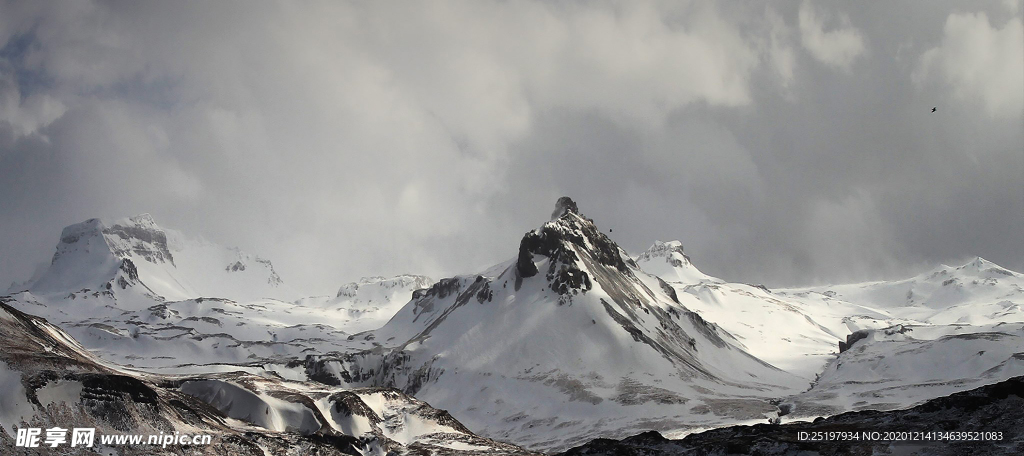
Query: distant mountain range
[[569, 340]]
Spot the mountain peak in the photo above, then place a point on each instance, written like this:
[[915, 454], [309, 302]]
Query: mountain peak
[[141, 236], [143, 220], [668, 261], [980, 267], [73, 233], [978, 263], [564, 205], [569, 241], [664, 249], [96, 255]]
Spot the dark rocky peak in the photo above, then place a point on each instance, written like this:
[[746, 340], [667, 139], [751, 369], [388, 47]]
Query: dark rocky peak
[[131, 273], [564, 205], [569, 241]]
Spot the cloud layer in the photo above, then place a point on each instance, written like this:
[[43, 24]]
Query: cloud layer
[[785, 144], [838, 47], [979, 62]]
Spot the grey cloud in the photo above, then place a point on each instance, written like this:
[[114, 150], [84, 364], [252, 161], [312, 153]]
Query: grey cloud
[[980, 62], [838, 46], [347, 139]]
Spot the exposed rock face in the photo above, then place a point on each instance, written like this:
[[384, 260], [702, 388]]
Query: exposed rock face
[[130, 276], [273, 279], [563, 240], [563, 206], [993, 414], [865, 333], [852, 338], [140, 236]]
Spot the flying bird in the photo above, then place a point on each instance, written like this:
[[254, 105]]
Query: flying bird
[[934, 109]]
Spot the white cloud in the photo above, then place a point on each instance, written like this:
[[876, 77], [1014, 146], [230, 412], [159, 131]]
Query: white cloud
[[393, 121], [26, 114], [351, 138], [980, 62], [837, 48]]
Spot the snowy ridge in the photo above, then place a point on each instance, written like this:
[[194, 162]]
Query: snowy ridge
[[369, 288], [667, 260], [797, 335], [370, 302], [921, 322], [943, 331]]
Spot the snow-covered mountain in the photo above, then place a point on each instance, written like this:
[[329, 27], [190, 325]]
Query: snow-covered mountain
[[569, 340], [797, 335], [978, 292], [912, 340], [50, 380], [152, 298], [787, 333], [946, 330], [667, 260], [95, 255]]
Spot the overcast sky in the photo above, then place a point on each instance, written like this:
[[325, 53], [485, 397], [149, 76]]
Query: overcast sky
[[789, 143]]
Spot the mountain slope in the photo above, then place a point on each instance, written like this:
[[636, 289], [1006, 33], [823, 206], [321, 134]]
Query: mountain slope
[[51, 380], [950, 329], [797, 335], [911, 340]]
